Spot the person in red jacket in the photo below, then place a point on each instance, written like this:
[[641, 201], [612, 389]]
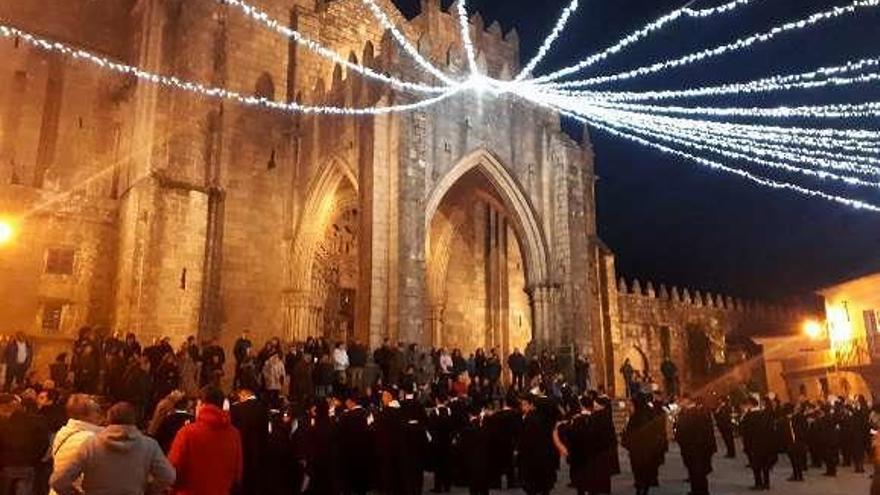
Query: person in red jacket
[[207, 453]]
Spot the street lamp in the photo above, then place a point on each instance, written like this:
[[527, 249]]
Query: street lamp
[[813, 329], [7, 232]]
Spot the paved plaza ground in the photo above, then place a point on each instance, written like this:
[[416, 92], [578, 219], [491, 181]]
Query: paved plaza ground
[[731, 477]]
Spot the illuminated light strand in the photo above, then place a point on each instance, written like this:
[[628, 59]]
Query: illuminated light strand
[[406, 45], [639, 35], [804, 80], [466, 41], [835, 111], [840, 137], [208, 91], [849, 162], [739, 149], [264, 18], [548, 42], [790, 140], [611, 129], [722, 49]]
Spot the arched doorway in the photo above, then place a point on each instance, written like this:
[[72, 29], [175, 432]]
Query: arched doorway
[[324, 260], [486, 259]]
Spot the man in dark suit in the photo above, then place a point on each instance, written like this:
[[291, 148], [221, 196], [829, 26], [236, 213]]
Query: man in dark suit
[[355, 447], [251, 418]]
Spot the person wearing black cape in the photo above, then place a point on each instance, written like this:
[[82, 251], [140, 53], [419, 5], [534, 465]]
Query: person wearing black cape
[[473, 443], [322, 459], [389, 446], [537, 459], [585, 441], [504, 426], [695, 435], [758, 430], [251, 418], [441, 426], [355, 445], [645, 439]]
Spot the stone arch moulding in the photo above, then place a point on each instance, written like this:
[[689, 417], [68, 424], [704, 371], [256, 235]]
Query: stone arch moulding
[[536, 254], [314, 217]]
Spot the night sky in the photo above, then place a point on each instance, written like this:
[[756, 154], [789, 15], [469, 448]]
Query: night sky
[[676, 222]]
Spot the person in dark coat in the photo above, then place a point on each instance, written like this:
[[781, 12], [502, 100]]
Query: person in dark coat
[[172, 423], [792, 427], [504, 427], [724, 422], [322, 457], [251, 418], [861, 434], [415, 445], [24, 440], [240, 349], [519, 366], [355, 447], [441, 426], [284, 469], [604, 411], [645, 440], [695, 435], [586, 443], [389, 444], [828, 439], [537, 459], [138, 386], [213, 359], [473, 443], [86, 363], [758, 430]]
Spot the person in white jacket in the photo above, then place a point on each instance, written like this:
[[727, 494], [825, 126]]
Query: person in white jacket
[[340, 362], [273, 378], [85, 415]]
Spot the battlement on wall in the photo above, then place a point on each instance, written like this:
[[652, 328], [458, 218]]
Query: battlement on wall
[[434, 31], [699, 299]]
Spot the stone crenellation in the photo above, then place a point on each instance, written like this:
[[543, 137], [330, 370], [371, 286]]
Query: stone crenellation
[[698, 299]]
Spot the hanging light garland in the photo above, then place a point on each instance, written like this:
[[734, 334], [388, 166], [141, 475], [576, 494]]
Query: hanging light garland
[[846, 155], [209, 91]]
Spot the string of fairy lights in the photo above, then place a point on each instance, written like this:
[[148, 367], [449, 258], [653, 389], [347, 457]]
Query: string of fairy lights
[[816, 150]]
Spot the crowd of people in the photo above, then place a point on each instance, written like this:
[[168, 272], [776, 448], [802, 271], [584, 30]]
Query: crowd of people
[[311, 417]]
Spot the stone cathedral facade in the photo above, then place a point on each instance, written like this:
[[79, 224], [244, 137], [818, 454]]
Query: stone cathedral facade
[[467, 224]]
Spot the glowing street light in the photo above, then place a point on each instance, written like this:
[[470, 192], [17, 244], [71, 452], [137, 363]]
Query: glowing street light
[[7, 232], [813, 329]]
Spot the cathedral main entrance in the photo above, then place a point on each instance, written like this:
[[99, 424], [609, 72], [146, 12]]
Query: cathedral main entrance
[[476, 272]]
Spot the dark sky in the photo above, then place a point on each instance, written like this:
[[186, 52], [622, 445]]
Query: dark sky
[[676, 222]]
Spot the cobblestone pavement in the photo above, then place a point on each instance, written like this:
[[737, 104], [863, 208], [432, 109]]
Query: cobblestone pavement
[[731, 477]]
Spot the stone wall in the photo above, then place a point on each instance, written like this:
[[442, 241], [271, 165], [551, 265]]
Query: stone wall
[[656, 323]]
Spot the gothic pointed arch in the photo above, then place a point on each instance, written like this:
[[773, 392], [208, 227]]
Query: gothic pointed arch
[[534, 243]]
